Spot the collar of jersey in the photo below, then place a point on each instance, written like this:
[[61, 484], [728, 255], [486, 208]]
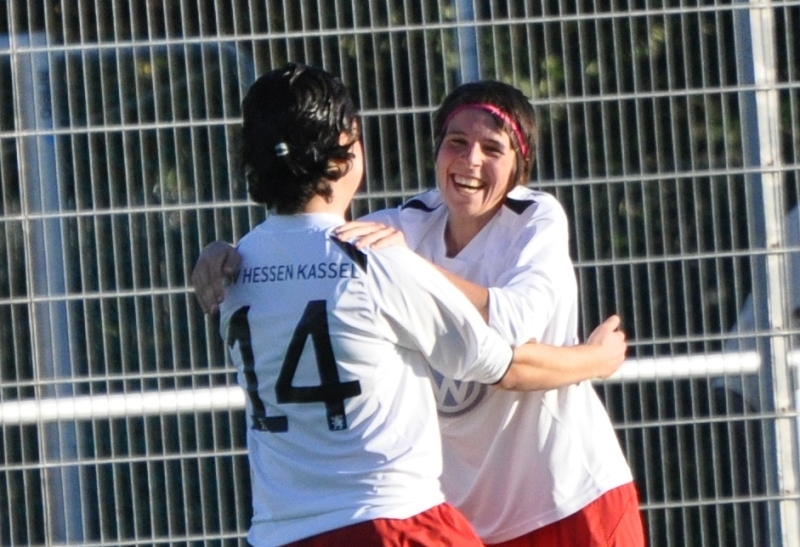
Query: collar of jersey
[[320, 221]]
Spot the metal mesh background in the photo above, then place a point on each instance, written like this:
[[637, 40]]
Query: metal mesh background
[[669, 129]]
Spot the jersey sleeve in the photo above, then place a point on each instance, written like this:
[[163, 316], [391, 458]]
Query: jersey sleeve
[[428, 314], [539, 276]]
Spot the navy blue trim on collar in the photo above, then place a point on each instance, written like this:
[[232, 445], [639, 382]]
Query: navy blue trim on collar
[[359, 257], [518, 205], [420, 205]]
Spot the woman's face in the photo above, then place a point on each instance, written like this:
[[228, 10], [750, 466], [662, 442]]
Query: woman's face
[[474, 165]]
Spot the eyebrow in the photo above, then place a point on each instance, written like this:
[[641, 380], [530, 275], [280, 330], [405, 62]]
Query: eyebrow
[[496, 113], [496, 140]]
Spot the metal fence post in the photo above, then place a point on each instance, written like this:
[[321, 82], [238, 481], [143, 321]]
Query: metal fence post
[[760, 136], [47, 287], [469, 67]]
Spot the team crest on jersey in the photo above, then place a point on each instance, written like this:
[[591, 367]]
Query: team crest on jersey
[[454, 398]]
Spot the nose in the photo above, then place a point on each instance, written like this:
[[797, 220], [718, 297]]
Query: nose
[[473, 153]]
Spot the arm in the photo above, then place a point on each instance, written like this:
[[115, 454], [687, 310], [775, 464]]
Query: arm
[[218, 262], [479, 296], [376, 236], [528, 294], [534, 291], [443, 325], [541, 367], [429, 316]]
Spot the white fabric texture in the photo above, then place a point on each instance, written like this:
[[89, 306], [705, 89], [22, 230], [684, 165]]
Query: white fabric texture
[[514, 462], [343, 420]]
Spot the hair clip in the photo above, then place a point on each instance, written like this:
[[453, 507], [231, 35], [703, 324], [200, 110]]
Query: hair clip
[[281, 149]]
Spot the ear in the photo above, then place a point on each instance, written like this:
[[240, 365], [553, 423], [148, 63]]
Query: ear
[[339, 168]]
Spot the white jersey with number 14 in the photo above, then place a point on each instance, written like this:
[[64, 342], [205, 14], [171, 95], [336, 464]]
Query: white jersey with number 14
[[333, 347]]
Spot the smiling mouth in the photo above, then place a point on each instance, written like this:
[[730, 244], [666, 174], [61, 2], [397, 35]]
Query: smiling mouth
[[467, 183]]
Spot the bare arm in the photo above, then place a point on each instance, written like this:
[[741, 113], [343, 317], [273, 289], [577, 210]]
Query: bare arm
[[376, 236], [218, 262], [535, 366], [541, 367], [476, 294]]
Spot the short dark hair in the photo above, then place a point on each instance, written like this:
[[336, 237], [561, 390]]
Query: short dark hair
[[293, 118], [508, 99]]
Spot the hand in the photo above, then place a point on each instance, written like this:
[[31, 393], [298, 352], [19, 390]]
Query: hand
[[609, 342], [219, 262], [371, 235]]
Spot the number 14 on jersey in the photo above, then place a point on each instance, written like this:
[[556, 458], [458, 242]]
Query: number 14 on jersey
[[331, 391]]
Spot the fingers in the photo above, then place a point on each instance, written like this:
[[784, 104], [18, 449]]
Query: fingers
[[356, 228], [614, 357], [610, 325], [612, 322], [204, 290], [609, 340], [370, 235], [232, 261], [381, 238], [217, 262]]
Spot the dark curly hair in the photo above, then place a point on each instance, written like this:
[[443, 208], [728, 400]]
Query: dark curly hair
[[293, 118], [509, 100]]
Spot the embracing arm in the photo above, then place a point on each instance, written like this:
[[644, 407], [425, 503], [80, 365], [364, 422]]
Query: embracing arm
[[479, 296], [218, 262], [541, 366], [375, 235], [536, 366]]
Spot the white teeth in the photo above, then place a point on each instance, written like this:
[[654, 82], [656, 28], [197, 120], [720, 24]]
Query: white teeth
[[467, 182]]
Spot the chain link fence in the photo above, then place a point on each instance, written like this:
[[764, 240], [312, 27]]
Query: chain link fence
[[669, 130]]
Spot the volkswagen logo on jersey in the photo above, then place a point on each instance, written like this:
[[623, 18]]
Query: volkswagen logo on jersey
[[454, 398]]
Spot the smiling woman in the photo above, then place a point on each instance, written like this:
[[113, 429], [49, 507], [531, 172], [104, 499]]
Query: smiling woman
[[506, 247], [474, 168], [486, 136]]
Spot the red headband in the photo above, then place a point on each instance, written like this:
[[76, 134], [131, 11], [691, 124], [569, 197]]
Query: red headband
[[491, 109]]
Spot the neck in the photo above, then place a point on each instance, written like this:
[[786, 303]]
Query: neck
[[318, 204], [458, 233]]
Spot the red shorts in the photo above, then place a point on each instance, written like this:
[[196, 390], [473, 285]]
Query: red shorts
[[440, 526], [612, 520]]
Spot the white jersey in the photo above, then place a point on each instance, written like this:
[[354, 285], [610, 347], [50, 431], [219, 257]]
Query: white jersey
[[514, 462], [334, 347]]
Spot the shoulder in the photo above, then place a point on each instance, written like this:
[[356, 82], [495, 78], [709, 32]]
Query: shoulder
[[389, 217], [395, 258], [530, 221], [358, 257], [419, 214], [413, 211], [250, 238], [524, 206], [398, 269], [420, 205], [522, 200], [254, 240], [391, 264], [424, 203]]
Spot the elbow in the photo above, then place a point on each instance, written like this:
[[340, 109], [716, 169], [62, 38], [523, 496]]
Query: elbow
[[515, 380], [507, 381], [526, 378]]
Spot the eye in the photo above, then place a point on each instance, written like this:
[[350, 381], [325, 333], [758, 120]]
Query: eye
[[456, 140], [494, 150]]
